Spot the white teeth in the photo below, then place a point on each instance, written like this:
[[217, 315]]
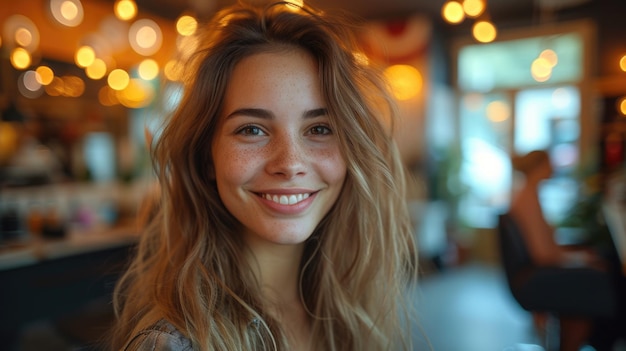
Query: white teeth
[[286, 199]]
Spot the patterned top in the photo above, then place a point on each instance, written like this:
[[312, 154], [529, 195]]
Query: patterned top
[[162, 336]]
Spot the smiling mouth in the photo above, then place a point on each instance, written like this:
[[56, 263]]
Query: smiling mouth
[[290, 199]]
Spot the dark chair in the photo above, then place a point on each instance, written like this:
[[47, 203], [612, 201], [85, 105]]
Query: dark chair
[[575, 295]]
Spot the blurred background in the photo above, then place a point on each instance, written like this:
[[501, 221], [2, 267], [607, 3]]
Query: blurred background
[[85, 84]]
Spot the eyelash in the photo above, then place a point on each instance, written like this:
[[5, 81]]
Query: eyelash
[[319, 126], [247, 130]]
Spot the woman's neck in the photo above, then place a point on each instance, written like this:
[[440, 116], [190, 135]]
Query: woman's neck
[[277, 267]]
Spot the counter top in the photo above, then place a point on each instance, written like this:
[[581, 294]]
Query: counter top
[[36, 250]]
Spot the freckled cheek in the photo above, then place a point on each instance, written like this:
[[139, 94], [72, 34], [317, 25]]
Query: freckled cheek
[[332, 165], [236, 165]]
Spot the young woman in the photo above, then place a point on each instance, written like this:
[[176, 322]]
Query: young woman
[[282, 222]]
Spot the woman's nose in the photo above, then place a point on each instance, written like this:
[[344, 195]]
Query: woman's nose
[[287, 157]]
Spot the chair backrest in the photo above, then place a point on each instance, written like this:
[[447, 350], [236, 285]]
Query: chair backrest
[[514, 253]]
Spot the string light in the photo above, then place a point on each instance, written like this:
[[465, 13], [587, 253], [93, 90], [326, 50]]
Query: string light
[[125, 10], [473, 8], [484, 31], [453, 12], [118, 79], [186, 25]]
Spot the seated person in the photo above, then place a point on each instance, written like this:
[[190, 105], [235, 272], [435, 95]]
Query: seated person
[[527, 211]]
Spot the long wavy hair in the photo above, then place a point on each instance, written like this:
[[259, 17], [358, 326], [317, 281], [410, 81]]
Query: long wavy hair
[[189, 267]]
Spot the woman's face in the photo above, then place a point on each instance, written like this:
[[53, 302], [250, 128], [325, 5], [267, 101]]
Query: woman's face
[[276, 159]]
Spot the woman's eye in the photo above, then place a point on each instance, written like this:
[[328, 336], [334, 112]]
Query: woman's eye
[[320, 130], [250, 130]]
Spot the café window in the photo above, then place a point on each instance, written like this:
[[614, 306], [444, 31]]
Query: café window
[[517, 95]]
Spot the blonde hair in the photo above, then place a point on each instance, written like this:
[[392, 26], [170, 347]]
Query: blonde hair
[[189, 268]]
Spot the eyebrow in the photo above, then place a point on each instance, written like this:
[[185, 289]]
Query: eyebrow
[[266, 114]]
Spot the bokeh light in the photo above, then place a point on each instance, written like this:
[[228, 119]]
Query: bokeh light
[[186, 25], [452, 12], [148, 69], [405, 81], [541, 69], [69, 13], [97, 69], [85, 55], [20, 31], [498, 111], [484, 31], [473, 8], [44, 75], [145, 37], [118, 79], [20, 58], [125, 9]]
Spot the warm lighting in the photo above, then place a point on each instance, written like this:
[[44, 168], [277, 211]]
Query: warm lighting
[[85, 55], [118, 79], [67, 12], [186, 25], [125, 9], [473, 8], [498, 111], [23, 37], [621, 106], [541, 69], [137, 94], [30, 81], [9, 141], [484, 31], [28, 86], [20, 58], [405, 81], [21, 31], [74, 86], [186, 46], [550, 56], [295, 5], [106, 96], [56, 87], [622, 63], [361, 58], [452, 12], [148, 69], [44, 75], [172, 70], [145, 37], [96, 70]]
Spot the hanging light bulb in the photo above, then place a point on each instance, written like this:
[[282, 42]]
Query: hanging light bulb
[[473, 8], [84, 57], [484, 31], [20, 58], [452, 12], [186, 25], [125, 9]]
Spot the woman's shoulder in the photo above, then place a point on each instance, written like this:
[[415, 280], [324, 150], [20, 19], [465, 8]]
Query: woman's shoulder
[[162, 336]]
